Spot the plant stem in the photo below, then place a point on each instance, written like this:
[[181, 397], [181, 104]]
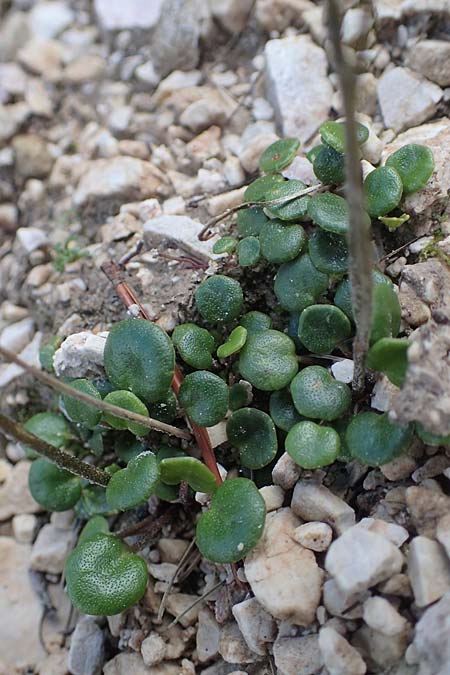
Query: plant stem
[[59, 457], [359, 239], [66, 389]]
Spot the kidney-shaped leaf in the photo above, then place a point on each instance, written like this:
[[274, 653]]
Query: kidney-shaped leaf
[[333, 133], [194, 344], [268, 360], [128, 401], [389, 356], [94, 526], [279, 154], [204, 396], [104, 577], [299, 284], [374, 440], [318, 395], [311, 445], [79, 412], [253, 433], [234, 523], [134, 484], [322, 327], [53, 488], [383, 188], [174, 470], [139, 356], [236, 340], [414, 163]]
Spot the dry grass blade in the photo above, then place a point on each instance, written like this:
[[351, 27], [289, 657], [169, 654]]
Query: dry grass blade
[[66, 389], [359, 239], [194, 604], [183, 559]]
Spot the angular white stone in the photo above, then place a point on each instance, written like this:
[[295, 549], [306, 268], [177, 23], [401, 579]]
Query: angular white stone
[[129, 15], [80, 354], [379, 614], [360, 559], [284, 576], [273, 496], [51, 549], [311, 501], [256, 625], [429, 570], [314, 535], [296, 71], [339, 657], [181, 230], [417, 103]]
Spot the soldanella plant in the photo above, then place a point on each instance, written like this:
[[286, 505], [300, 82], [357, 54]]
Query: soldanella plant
[[265, 374]]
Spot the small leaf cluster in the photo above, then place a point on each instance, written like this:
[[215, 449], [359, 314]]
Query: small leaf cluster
[[266, 378]]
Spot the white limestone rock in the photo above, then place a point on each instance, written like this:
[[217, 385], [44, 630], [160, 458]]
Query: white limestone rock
[[296, 70], [429, 570], [314, 502], [417, 103], [284, 576], [339, 657], [353, 569]]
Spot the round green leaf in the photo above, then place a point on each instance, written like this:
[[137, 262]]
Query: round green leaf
[[282, 410], [53, 488], [343, 299], [133, 485], [219, 299], [311, 445], [253, 433], [414, 164], [259, 189], [329, 166], [312, 154], [279, 154], [281, 243], [204, 396], [93, 503], [430, 439], [322, 327], [164, 410], [330, 212], [328, 252], [240, 395], [374, 440], [268, 360], [299, 284], [255, 321], [294, 209], [47, 352], [386, 313], [224, 245], [94, 526], [383, 190], [174, 470], [104, 577], [79, 412], [236, 340], [249, 251], [128, 401], [249, 221], [318, 395], [234, 523], [333, 133], [389, 356], [49, 427], [194, 344], [139, 356]]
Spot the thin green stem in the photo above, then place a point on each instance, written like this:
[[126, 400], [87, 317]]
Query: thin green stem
[[66, 389], [359, 239], [59, 457]]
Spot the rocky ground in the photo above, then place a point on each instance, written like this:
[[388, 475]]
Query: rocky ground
[[122, 121]]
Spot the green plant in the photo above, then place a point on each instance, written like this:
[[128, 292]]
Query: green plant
[[263, 375], [67, 253]]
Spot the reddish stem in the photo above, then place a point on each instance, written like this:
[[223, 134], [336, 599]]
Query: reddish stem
[[115, 275]]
